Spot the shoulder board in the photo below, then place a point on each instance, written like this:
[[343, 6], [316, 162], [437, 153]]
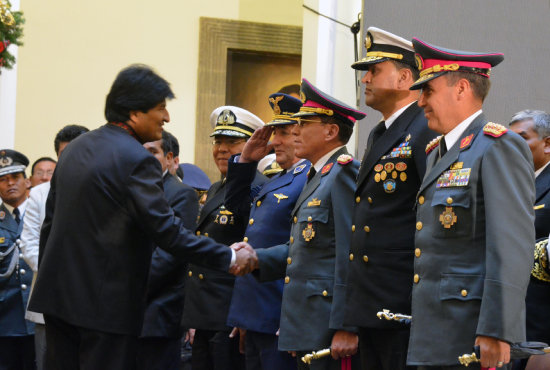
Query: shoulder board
[[433, 144], [494, 129], [299, 169], [344, 159]]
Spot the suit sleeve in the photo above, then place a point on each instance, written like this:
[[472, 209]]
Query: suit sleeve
[[186, 206], [47, 224], [272, 262], [238, 192], [424, 136], [146, 201], [508, 184], [30, 236], [342, 204]]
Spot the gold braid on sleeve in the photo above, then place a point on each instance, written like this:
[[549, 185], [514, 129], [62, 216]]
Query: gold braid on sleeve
[[540, 268]]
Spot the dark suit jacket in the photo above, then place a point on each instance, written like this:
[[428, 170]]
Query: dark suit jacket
[[165, 288], [475, 238], [105, 212], [15, 287], [382, 243], [315, 259], [208, 292], [538, 293]]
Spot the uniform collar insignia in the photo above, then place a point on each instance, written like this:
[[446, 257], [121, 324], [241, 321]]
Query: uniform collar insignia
[[466, 142], [299, 169], [326, 168]]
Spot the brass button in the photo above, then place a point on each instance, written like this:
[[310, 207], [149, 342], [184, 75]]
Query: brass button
[[419, 226], [289, 260], [416, 278], [295, 219], [417, 252], [190, 273], [309, 218], [24, 286], [449, 200], [351, 256], [367, 229], [206, 234], [287, 280], [22, 271], [198, 232], [464, 292], [251, 221], [325, 293], [258, 203], [352, 228], [245, 239], [201, 276], [369, 199], [357, 200], [291, 239], [366, 258], [421, 199]]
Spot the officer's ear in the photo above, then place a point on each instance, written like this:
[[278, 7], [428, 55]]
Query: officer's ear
[[547, 145], [331, 131]]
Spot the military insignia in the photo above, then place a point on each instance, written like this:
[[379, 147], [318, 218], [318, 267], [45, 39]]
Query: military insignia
[[224, 211], [401, 166], [377, 177], [226, 117], [383, 175], [408, 138], [5, 161], [2, 215], [540, 206], [403, 176], [314, 203], [394, 174], [457, 165], [454, 178], [418, 60], [326, 168], [433, 144], [224, 217], [389, 167], [389, 186], [275, 101], [404, 150], [344, 159], [302, 97], [280, 197], [2, 240], [299, 169], [494, 129], [447, 218], [465, 142], [368, 41], [308, 233], [378, 167]]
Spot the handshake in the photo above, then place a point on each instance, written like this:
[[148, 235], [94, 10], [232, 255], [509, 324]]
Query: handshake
[[246, 261]]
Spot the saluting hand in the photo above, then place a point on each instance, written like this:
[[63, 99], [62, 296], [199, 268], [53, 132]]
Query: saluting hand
[[257, 146]]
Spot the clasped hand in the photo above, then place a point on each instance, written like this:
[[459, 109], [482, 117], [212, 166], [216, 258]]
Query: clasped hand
[[246, 261]]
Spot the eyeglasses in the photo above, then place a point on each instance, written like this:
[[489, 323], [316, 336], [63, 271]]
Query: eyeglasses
[[302, 122], [230, 142], [41, 173]]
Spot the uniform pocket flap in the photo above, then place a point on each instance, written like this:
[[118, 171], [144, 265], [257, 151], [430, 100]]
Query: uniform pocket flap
[[451, 198], [314, 214], [461, 287], [323, 287]]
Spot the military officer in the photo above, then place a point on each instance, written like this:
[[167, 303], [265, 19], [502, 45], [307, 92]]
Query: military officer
[[474, 230], [314, 261], [208, 292], [382, 241], [255, 306], [16, 333]]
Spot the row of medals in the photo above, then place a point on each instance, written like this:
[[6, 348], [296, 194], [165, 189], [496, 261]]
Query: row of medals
[[382, 171]]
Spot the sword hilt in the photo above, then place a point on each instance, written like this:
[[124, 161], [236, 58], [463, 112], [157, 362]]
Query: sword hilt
[[315, 355]]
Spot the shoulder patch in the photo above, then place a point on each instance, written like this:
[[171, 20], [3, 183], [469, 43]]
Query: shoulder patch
[[494, 129], [299, 169], [433, 144], [344, 159], [326, 169]]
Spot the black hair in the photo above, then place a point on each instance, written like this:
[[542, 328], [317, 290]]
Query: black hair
[[67, 134], [344, 129], [480, 84], [170, 144], [400, 65], [41, 159], [136, 88]]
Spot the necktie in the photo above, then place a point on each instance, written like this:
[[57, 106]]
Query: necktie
[[17, 215], [442, 147], [378, 131], [311, 173]]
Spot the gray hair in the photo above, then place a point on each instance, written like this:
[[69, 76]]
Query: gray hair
[[541, 121]]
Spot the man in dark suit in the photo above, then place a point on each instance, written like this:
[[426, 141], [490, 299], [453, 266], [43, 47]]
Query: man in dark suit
[[208, 292], [314, 261], [16, 333], [105, 212], [160, 340], [382, 242], [256, 306], [475, 218], [534, 127]]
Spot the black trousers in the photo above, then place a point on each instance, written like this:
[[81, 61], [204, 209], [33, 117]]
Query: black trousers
[[17, 353], [71, 347], [384, 349], [460, 367], [214, 350], [157, 353], [262, 353]]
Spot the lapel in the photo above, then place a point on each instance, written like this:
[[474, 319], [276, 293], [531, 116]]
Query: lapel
[[436, 168], [387, 141], [276, 183], [310, 187], [213, 203], [8, 222], [542, 184]]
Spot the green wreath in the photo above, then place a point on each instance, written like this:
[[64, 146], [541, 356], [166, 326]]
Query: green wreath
[[11, 32]]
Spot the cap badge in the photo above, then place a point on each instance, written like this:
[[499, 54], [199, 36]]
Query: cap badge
[[275, 101], [226, 117], [368, 41], [5, 161]]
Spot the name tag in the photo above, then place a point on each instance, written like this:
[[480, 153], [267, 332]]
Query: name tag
[[459, 177]]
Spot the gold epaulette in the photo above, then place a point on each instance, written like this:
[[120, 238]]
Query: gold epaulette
[[494, 129], [540, 268], [344, 159], [433, 144]]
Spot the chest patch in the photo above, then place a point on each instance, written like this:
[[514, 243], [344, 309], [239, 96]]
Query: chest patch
[[453, 178]]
